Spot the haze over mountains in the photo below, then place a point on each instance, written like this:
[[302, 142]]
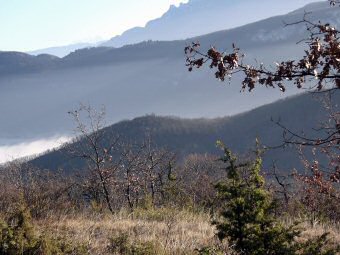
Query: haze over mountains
[[197, 17], [36, 92], [62, 51]]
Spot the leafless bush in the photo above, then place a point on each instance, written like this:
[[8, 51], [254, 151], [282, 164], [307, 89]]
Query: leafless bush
[[39, 190]]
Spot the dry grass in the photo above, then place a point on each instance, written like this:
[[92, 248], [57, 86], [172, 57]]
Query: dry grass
[[316, 228], [173, 232], [319, 228]]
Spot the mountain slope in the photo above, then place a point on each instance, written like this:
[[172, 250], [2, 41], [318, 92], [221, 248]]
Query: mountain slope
[[199, 17], [12, 62], [184, 136]]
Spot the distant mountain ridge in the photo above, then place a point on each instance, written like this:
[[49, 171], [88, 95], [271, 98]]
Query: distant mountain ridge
[[186, 136], [197, 17], [62, 51]]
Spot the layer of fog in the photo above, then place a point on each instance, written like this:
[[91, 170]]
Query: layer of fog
[[29, 148]]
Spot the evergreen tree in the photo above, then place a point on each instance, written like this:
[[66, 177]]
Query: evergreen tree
[[247, 220]]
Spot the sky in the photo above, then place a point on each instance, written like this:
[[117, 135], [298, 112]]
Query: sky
[[27, 25]]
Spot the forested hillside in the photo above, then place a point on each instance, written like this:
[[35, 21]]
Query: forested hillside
[[187, 136]]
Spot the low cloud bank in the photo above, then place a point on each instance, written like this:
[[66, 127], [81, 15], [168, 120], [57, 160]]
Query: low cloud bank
[[24, 149]]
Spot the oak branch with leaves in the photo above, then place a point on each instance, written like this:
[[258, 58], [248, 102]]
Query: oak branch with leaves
[[320, 63]]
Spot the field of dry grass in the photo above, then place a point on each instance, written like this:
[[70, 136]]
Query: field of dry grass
[[170, 231], [320, 228]]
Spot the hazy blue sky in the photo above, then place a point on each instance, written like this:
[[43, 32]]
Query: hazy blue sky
[[35, 24]]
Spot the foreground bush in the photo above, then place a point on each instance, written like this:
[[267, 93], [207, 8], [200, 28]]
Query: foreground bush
[[18, 236]]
